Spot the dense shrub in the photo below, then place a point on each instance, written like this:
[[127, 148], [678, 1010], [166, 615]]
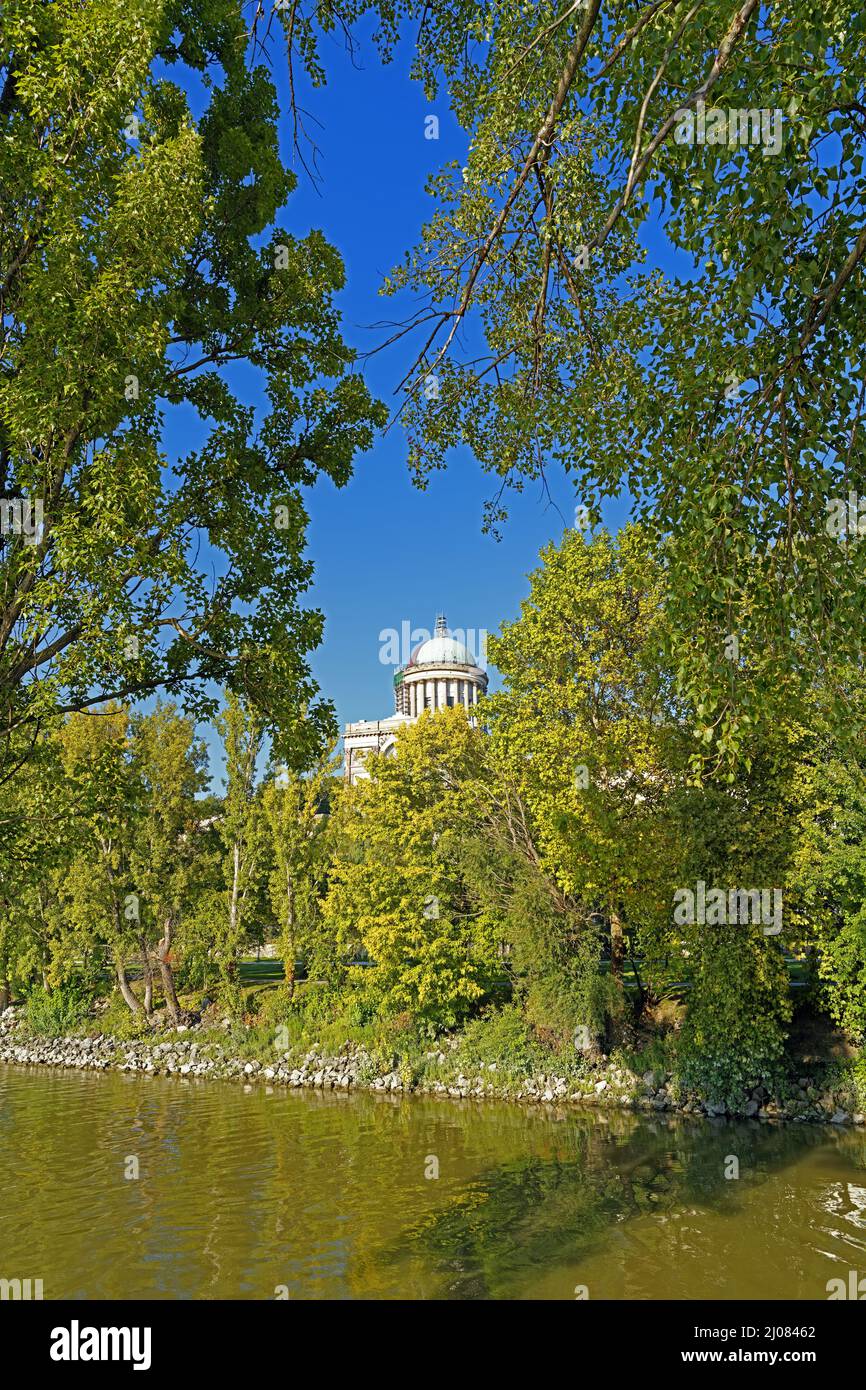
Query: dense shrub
[[503, 1036], [56, 1012], [734, 1034]]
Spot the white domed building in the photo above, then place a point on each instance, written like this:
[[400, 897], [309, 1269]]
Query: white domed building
[[441, 672]]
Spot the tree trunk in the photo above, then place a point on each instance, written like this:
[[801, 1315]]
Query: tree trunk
[[147, 971], [234, 905], [162, 956], [617, 946], [289, 970], [620, 1026], [5, 995], [289, 946], [126, 989]]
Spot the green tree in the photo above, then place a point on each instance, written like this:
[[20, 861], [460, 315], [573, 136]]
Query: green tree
[[716, 375], [591, 733], [169, 763], [293, 808], [737, 837], [828, 874], [234, 909], [396, 889], [98, 904], [141, 256], [548, 943], [38, 830]]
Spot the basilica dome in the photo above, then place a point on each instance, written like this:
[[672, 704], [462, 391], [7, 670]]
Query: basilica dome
[[442, 651]]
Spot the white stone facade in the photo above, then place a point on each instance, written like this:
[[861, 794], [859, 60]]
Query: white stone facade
[[366, 736]]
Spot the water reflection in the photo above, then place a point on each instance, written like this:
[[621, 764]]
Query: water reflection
[[241, 1192], [639, 1209]]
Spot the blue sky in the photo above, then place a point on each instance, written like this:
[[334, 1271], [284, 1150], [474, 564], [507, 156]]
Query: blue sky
[[384, 551]]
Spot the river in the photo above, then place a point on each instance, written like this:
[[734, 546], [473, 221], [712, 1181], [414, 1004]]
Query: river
[[241, 1193]]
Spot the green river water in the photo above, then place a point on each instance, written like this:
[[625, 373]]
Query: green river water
[[241, 1193]]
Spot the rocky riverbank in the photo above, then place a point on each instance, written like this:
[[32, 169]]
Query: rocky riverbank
[[183, 1054]]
